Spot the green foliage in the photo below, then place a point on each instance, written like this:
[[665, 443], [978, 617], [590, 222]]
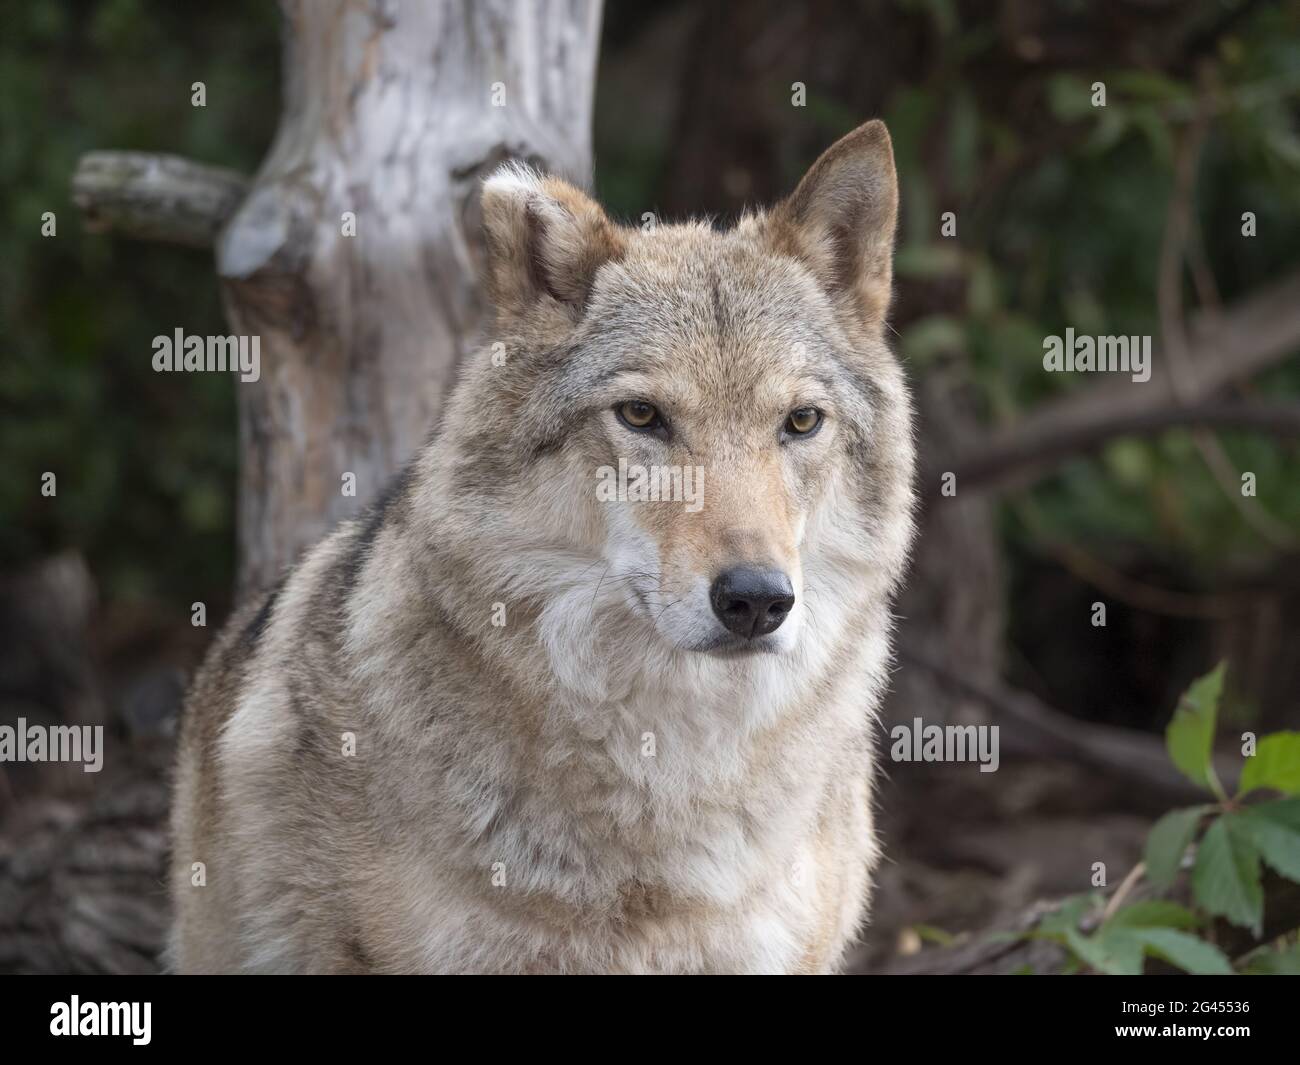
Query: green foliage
[[930, 934], [1120, 944], [1273, 961], [1168, 842], [1237, 842], [928, 338], [1075, 235], [1274, 830], [1275, 765], [1185, 951], [1190, 736], [1226, 878], [145, 467]]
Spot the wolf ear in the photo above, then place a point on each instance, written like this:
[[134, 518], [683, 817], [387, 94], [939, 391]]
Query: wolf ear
[[840, 220], [545, 240]]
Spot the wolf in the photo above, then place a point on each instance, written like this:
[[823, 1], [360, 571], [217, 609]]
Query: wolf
[[499, 724]]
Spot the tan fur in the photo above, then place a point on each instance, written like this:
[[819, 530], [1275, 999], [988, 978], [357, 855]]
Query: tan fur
[[501, 812]]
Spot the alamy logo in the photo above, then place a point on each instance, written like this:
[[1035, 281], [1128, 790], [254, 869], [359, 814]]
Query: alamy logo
[[1086, 354], [919, 742], [195, 354], [102, 1018], [651, 484], [53, 743]]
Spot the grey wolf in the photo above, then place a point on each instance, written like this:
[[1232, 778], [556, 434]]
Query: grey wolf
[[504, 723]]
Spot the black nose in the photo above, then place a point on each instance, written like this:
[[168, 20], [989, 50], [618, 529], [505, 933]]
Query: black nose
[[752, 602]]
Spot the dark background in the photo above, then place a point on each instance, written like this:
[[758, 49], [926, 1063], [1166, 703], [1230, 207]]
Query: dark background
[[1061, 207]]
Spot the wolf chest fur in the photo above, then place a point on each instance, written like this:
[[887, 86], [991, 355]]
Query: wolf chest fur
[[507, 723]]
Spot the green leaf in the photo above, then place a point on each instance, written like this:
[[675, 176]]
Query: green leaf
[[1190, 735], [1067, 915], [1274, 829], [1069, 97], [928, 262], [931, 934], [931, 336], [1156, 130], [1152, 913], [1225, 880], [1285, 812], [1150, 85], [1129, 460], [1187, 952], [1167, 843], [963, 140], [982, 289], [1275, 764], [1110, 129], [1284, 962], [1118, 950], [1115, 954]]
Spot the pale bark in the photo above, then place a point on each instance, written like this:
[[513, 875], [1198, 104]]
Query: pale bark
[[156, 197]]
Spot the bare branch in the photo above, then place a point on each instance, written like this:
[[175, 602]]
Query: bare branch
[[1016, 459], [1221, 348], [156, 197]]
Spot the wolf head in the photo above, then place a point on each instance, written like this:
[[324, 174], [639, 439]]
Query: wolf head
[[703, 432]]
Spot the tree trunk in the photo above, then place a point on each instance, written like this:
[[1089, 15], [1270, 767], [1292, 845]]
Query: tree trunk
[[392, 112]]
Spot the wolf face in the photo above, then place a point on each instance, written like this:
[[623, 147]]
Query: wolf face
[[741, 374]]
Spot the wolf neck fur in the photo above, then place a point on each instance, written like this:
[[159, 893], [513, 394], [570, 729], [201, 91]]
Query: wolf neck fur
[[612, 706]]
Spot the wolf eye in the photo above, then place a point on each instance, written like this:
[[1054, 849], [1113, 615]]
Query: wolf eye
[[639, 415], [803, 422]]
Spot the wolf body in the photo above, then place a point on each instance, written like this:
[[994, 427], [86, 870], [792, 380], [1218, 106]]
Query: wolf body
[[499, 724]]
